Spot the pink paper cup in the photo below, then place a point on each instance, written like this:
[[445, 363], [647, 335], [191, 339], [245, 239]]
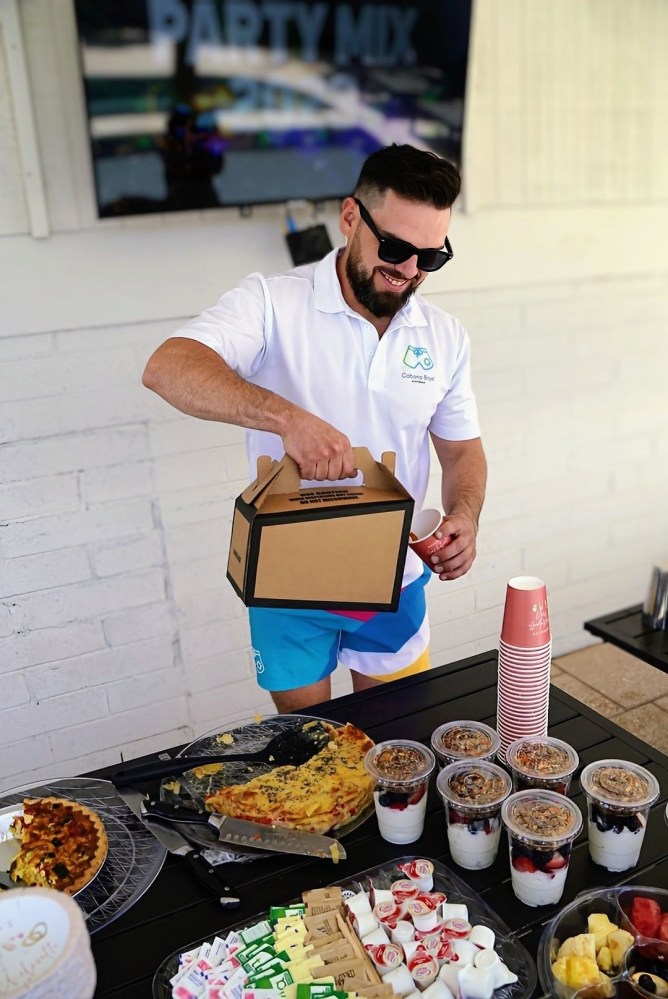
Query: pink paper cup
[[525, 619], [424, 526]]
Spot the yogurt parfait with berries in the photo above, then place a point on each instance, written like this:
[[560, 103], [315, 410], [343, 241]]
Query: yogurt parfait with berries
[[472, 794], [541, 828], [400, 769], [541, 761], [464, 740], [619, 797]]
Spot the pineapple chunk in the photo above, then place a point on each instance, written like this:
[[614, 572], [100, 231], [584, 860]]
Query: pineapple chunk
[[581, 971], [619, 942], [582, 945], [604, 959], [599, 924], [559, 970]]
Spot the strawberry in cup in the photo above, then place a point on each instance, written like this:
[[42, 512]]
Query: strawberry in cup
[[541, 827]]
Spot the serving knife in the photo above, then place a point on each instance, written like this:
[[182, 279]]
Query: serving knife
[[240, 832], [177, 844]]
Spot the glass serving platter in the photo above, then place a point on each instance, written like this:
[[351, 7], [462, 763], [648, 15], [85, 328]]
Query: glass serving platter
[[572, 920], [190, 788], [509, 948], [134, 857]]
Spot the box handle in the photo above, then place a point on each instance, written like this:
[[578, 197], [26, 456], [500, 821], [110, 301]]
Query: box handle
[[375, 473]]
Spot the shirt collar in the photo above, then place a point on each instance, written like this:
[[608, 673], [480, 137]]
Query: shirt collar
[[328, 296]]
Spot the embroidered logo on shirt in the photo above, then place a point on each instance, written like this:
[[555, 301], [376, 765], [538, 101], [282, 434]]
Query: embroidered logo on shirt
[[257, 659], [414, 358], [418, 357]]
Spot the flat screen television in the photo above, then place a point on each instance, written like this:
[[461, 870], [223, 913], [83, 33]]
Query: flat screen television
[[198, 104]]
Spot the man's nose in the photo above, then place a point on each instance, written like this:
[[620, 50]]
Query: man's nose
[[408, 268]]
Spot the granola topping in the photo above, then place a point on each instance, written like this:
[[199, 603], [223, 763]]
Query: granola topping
[[399, 763], [543, 818], [477, 787], [620, 784], [466, 741], [542, 758]]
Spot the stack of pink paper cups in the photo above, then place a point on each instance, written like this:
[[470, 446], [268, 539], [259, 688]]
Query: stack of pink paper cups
[[524, 662]]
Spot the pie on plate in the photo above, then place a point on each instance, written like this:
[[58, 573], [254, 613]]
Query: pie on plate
[[62, 844], [322, 794]]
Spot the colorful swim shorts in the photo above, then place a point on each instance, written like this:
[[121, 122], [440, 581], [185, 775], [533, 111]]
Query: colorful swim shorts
[[293, 648]]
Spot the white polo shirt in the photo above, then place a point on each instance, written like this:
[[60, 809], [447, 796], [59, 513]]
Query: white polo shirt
[[293, 333]]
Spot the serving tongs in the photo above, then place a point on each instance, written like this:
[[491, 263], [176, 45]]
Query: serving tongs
[[293, 747]]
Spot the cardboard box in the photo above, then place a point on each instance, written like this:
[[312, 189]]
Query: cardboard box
[[340, 547]]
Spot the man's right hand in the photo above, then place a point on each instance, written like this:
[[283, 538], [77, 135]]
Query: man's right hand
[[321, 451]]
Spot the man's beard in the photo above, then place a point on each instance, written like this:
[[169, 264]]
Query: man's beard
[[381, 304]]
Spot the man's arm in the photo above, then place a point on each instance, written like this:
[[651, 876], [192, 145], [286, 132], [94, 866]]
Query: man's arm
[[464, 476], [194, 379]]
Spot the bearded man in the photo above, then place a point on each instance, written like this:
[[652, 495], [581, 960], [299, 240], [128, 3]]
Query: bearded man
[[344, 353]]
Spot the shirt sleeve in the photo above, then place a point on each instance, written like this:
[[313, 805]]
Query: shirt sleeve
[[456, 416], [235, 327]]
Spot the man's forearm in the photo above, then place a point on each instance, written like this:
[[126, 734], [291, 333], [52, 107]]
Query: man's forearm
[[195, 380], [464, 479]]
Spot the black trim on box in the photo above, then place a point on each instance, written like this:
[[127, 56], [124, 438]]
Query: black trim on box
[[257, 523]]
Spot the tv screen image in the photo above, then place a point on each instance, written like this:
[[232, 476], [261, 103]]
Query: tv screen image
[[198, 104]]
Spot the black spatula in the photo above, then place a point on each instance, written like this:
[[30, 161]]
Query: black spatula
[[292, 747]]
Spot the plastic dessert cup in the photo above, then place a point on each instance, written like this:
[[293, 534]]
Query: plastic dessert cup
[[619, 797], [472, 793], [541, 828], [464, 740], [541, 761], [400, 769]]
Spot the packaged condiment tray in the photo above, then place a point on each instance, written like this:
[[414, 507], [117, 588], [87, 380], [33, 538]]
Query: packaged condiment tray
[[410, 926], [629, 926]]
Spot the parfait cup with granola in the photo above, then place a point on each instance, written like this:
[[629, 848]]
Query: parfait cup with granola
[[400, 770], [541, 827], [473, 792], [541, 761], [464, 740], [619, 797]]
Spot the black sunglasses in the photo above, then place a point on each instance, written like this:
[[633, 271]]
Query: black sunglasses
[[396, 251]]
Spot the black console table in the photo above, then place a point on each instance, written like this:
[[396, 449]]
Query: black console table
[[625, 629]]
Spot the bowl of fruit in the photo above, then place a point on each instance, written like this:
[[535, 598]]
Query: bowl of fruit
[[607, 943]]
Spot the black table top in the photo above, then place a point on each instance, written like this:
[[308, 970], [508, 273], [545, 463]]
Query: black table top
[[176, 911], [625, 629]]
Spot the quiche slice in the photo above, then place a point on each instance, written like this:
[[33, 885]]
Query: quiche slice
[[324, 793], [63, 844]]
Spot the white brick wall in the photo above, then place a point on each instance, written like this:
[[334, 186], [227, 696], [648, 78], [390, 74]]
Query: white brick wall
[[118, 630], [119, 633]]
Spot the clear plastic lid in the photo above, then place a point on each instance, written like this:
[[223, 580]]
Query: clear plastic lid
[[542, 756], [474, 784], [399, 762], [620, 784], [541, 818], [465, 740]]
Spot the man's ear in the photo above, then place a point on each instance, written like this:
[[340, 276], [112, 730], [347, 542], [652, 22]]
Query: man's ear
[[348, 217]]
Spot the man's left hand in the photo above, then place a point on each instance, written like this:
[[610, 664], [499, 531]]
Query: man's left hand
[[458, 550]]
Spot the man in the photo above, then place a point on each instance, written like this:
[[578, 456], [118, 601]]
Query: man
[[339, 354]]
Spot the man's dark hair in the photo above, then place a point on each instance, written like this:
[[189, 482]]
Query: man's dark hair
[[413, 174]]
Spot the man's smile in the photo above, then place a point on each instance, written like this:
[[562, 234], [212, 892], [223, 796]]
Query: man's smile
[[392, 280]]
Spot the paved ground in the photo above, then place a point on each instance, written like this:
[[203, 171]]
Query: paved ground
[[618, 686]]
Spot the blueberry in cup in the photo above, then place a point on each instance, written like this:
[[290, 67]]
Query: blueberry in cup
[[619, 797], [472, 793]]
